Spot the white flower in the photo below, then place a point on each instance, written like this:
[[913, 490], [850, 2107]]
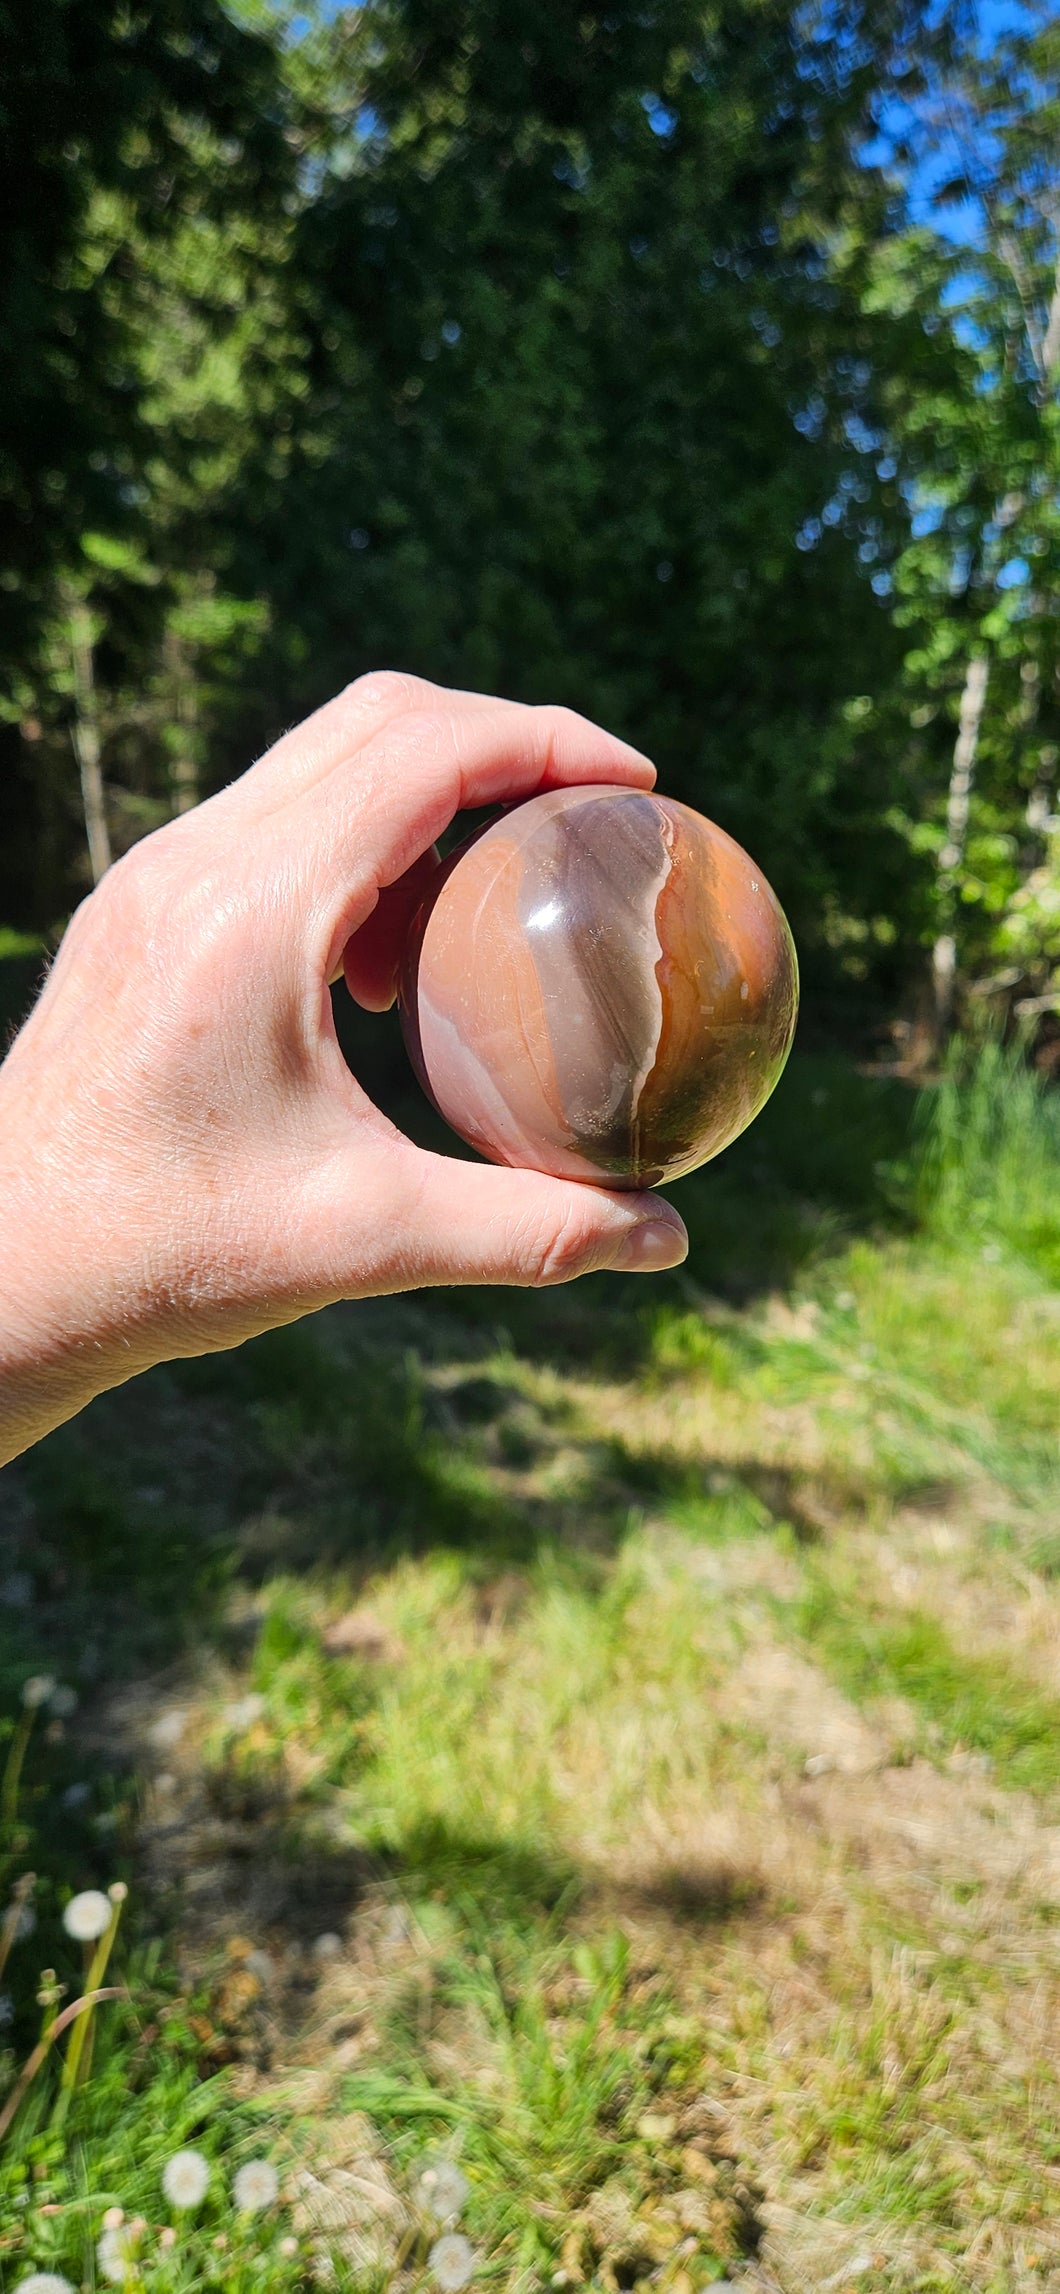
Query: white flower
[[288, 2246], [186, 2178], [451, 2261], [444, 2190], [116, 2256], [37, 1690], [87, 1916], [328, 1946], [44, 2282], [255, 2186]]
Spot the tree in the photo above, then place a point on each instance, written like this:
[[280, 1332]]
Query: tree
[[595, 402], [124, 129], [978, 584]]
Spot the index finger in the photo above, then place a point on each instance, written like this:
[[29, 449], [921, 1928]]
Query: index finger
[[411, 777]]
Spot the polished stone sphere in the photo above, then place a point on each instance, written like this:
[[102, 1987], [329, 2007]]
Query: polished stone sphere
[[599, 984]]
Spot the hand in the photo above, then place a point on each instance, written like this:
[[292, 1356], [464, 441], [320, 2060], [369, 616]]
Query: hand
[[185, 1159]]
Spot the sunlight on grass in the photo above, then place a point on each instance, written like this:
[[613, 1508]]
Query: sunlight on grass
[[968, 1702], [607, 1757]]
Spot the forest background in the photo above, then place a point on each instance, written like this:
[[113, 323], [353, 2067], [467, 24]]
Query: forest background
[[698, 367], [590, 1753]]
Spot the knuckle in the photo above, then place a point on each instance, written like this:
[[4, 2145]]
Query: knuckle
[[127, 896], [555, 1254], [388, 689]]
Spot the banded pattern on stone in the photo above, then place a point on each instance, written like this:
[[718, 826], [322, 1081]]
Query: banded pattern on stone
[[602, 985]]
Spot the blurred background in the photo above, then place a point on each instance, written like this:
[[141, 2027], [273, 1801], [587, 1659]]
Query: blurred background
[[695, 367], [607, 1743]]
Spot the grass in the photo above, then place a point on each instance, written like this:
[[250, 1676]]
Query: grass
[[965, 1702], [608, 1741]]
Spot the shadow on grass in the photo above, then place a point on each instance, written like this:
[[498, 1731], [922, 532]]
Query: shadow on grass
[[379, 1430]]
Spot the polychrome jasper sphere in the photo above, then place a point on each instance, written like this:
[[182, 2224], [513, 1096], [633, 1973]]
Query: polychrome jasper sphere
[[600, 984]]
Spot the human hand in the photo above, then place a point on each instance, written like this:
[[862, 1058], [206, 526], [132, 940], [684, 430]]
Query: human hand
[[185, 1159]]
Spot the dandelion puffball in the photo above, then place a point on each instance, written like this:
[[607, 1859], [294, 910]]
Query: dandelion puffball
[[37, 1690], [186, 2178], [116, 2256], [444, 2190], [451, 2261], [44, 2282], [87, 1916], [255, 2186]]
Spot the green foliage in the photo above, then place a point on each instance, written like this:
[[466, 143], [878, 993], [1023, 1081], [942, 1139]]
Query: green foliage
[[988, 1166], [585, 357], [967, 1702], [522, 1646]]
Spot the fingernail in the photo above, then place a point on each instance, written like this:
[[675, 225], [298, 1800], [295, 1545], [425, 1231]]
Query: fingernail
[[647, 1249]]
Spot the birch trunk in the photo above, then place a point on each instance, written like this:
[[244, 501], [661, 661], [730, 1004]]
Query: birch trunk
[[962, 775], [87, 740]]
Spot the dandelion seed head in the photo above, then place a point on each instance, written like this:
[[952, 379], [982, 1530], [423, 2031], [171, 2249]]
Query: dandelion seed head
[[327, 1947], [117, 1891], [87, 1916], [185, 2178], [288, 2246], [63, 1701], [114, 2217], [452, 2261], [116, 2256], [167, 2237], [445, 2190], [44, 2282], [37, 1690], [255, 2186]]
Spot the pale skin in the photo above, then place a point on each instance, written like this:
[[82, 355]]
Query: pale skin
[[185, 1159]]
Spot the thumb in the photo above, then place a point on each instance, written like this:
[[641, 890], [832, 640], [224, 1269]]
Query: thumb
[[476, 1223]]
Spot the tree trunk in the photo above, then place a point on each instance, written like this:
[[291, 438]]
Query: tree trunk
[[88, 746], [184, 766], [944, 955]]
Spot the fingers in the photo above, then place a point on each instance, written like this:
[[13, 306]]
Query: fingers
[[428, 765], [445, 1221], [366, 826], [372, 958], [337, 731], [336, 734]]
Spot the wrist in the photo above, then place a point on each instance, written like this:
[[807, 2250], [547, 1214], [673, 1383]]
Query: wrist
[[63, 1336]]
